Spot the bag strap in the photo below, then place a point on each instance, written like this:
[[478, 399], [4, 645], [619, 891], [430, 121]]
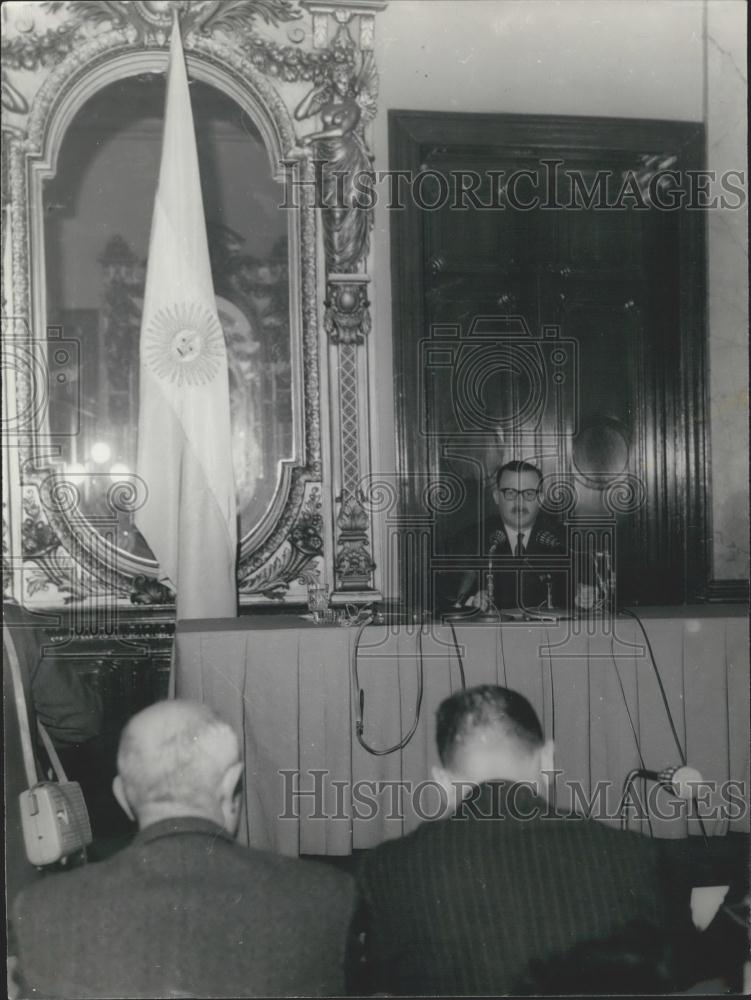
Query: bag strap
[[57, 767], [27, 748], [32, 778]]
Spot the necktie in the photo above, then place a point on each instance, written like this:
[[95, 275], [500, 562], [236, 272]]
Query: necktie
[[519, 545]]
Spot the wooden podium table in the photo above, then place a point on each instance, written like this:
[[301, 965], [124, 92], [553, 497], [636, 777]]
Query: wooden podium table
[[286, 686]]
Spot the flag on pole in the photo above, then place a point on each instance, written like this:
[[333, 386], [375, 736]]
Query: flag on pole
[[184, 438]]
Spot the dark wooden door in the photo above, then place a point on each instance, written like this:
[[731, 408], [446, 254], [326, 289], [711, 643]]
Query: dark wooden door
[[561, 333]]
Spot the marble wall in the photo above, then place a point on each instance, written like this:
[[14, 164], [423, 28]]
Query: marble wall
[[726, 88]]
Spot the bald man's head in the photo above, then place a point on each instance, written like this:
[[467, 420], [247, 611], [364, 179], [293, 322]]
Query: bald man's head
[[178, 758]]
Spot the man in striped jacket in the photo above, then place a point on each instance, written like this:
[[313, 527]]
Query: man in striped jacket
[[466, 904]]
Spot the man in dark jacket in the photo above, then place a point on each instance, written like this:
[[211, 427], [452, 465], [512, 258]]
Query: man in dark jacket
[[526, 566], [184, 911], [464, 904]]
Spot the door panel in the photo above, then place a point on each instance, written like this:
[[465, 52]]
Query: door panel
[[487, 300]]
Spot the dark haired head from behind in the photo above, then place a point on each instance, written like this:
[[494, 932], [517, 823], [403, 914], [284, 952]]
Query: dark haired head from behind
[[635, 961], [490, 733]]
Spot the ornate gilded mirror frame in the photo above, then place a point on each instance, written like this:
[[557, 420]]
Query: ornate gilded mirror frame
[[316, 527]]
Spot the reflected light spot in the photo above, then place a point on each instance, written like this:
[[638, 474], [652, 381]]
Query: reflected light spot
[[100, 452]]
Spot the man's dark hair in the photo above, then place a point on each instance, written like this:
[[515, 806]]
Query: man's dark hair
[[486, 707], [516, 468]]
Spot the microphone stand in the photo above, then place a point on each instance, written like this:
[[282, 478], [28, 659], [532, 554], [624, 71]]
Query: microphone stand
[[491, 613], [547, 579], [489, 581]]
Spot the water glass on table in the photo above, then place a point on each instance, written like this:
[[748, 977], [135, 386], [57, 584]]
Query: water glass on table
[[318, 601]]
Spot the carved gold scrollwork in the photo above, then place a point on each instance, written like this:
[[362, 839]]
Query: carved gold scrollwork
[[654, 176], [151, 20], [437, 263], [347, 316], [342, 12], [294, 559], [346, 103], [63, 556], [354, 564], [144, 23], [83, 46]]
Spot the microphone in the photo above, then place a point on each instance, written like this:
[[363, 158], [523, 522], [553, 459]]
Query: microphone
[[547, 579], [680, 781]]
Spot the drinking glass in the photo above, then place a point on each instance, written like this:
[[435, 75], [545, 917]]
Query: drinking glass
[[318, 600]]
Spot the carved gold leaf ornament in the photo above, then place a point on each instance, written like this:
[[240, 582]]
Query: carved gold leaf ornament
[[147, 22], [86, 35], [184, 344], [195, 15], [12, 100]]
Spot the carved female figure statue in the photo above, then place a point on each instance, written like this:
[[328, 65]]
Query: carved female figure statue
[[342, 101]]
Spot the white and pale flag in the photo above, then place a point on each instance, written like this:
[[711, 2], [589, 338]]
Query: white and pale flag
[[184, 438]]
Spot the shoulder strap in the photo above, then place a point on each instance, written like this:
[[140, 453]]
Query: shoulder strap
[[57, 767], [27, 749]]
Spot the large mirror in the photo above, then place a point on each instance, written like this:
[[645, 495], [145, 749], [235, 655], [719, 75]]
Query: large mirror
[[97, 217]]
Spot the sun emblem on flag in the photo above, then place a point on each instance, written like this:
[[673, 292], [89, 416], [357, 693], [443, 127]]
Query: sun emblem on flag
[[185, 344]]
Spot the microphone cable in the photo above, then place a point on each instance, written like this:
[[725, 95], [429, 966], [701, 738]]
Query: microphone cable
[[660, 685], [625, 703], [668, 713], [627, 784], [458, 653], [553, 786], [632, 775], [360, 696]]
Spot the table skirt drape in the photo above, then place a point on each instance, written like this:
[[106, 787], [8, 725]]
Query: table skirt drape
[[287, 688]]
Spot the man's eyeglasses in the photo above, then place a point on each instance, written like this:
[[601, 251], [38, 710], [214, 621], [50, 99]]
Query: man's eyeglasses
[[511, 494]]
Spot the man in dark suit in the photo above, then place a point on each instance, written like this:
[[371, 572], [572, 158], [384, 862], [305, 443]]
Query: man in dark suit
[[184, 911], [525, 549], [464, 904]]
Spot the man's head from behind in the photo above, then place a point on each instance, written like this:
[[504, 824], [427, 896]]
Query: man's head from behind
[[177, 758], [516, 492], [490, 733]]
